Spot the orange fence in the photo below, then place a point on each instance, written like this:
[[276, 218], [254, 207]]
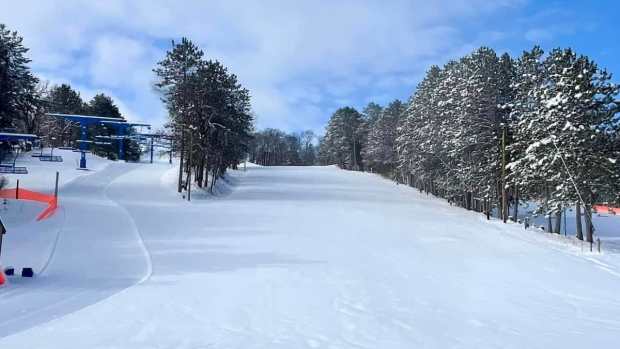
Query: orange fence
[[25, 194], [606, 209]]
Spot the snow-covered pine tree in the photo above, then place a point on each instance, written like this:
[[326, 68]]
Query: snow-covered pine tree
[[481, 123], [210, 113], [523, 120], [562, 147], [449, 137], [412, 143], [506, 77], [331, 146], [370, 114], [578, 95], [445, 133], [380, 147], [18, 86], [342, 144]]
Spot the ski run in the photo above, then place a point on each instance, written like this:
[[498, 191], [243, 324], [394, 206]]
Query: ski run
[[290, 257]]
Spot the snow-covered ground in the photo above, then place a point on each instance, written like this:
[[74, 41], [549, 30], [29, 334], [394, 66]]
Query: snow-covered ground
[[77, 253], [606, 225], [301, 257], [30, 243], [42, 174]]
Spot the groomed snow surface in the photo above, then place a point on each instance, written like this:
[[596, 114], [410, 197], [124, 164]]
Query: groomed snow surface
[[293, 257]]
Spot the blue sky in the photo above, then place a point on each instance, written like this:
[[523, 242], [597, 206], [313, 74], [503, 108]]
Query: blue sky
[[301, 60]]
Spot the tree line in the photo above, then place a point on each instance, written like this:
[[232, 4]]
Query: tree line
[[210, 120], [272, 147], [210, 117], [25, 101], [486, 132], [363, 141]]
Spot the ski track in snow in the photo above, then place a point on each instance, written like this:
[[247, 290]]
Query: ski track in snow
[[65, 283], [304, 258]]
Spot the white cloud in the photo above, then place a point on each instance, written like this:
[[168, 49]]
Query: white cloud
[[296, 57], [116, 61]]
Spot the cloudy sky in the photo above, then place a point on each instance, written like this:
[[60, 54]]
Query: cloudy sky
[[300, 59]]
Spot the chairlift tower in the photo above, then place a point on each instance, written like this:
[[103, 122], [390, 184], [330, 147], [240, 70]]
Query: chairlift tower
[[120, 126]]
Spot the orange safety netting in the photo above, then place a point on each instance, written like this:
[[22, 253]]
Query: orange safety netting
[[607, 209], [25, 194]]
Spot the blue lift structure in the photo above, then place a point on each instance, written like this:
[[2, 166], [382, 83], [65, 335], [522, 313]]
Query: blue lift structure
[[159, 144], [148, 141], [121, 126], [15, 137]]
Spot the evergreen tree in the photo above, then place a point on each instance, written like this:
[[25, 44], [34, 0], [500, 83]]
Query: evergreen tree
[[483, 126], [65, 100], [529, 77], [486, 131], [379, 150], [18, 94], [102, 105], [210, 113], [62, 99], [564, 134], [342, 144]]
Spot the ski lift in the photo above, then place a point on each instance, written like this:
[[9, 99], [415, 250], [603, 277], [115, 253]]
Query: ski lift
[[11, 168]]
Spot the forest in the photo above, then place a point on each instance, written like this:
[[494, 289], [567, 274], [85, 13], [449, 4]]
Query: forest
[[486, 132], [273, 147]]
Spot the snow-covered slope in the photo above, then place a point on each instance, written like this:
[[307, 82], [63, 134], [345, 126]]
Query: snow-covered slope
[[309, 258], [42, 174], [86, 252], [31, 243]]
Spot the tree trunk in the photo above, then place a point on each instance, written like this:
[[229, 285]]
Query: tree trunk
[[548, 213], [181, 163], [504, 194], [487, 203], [515, 212], [213, 179], [188, 183], [200, 171], [498, 196], [207, 178], [589, 227], [558, 220], [578, 221]]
